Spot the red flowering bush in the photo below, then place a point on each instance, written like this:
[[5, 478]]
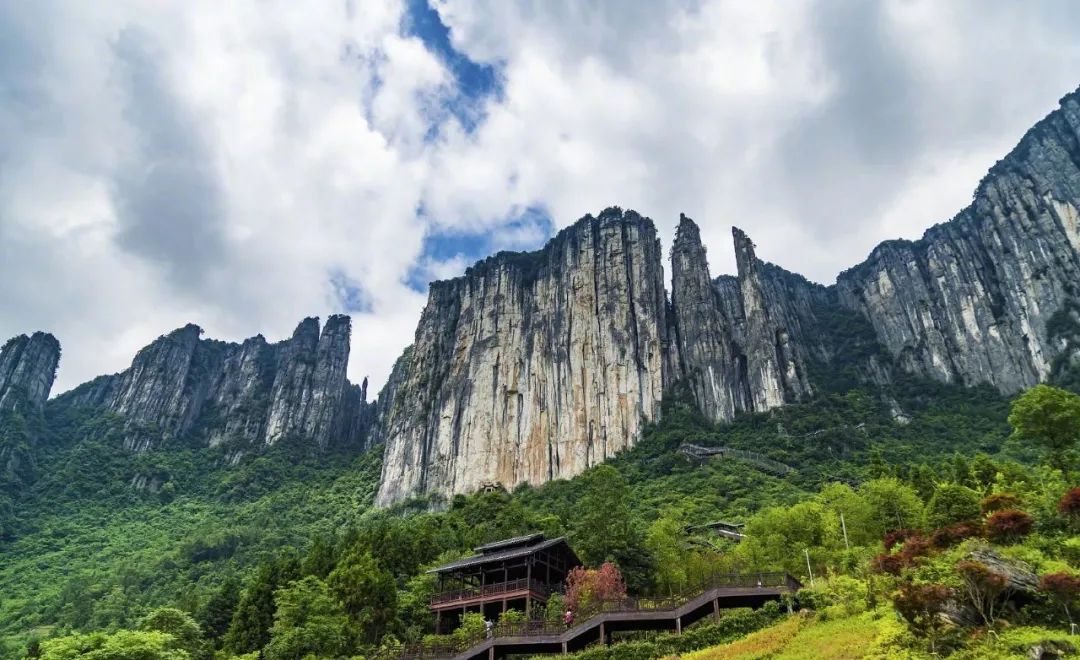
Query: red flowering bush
[[1009, 525], [587, 587]]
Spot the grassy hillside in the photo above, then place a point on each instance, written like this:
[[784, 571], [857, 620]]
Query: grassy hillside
[[104, 536]]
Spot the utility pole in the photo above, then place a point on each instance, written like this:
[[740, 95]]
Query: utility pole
[[806, 551], [843, 526]]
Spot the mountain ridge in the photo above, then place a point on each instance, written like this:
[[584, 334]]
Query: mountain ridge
[[533, 366]]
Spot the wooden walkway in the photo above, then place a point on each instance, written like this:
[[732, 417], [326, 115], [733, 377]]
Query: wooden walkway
[[630, 614]]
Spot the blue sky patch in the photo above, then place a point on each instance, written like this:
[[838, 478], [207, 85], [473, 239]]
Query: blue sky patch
[[523, 231], [474, 81], [349, 295]]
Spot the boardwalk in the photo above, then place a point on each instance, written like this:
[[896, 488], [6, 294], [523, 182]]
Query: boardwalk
[[630, 614]]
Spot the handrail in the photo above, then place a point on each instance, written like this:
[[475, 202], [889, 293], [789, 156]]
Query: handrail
[[540, 627], [491, 589]]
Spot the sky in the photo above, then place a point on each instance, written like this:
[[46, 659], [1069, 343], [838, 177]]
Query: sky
[[243, 165]]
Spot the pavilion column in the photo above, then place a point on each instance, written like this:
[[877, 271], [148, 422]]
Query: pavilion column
[[716, 607], [438, 622], [528, 588], [678, 625]]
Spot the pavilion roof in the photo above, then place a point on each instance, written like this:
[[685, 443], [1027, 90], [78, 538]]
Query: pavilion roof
[[519, 549]]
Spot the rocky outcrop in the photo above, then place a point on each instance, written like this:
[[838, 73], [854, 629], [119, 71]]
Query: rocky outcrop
[[241, 395], [532, 366], [745, 342], [971, 301], [27, 370]]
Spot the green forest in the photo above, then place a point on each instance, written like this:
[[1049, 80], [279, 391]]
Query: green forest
[[914, 507]]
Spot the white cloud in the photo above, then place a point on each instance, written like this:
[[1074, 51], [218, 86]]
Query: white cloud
[[300, 140]]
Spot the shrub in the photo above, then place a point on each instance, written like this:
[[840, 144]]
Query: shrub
[[1009, 525], [952, 503], [946, 537], [984, 587], [921, 606], [587, 587], [1069, 504], [913, 548], [512, 616], [1064, 588], [896, 537], [890, 564], [998, 501]]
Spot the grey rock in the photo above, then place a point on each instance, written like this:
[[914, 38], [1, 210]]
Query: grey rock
[[970, 302], [27, 370], [744, 343], [532, 366], [243, 396]]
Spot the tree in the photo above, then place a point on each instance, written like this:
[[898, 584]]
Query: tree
[[588, 587], [1069, 505], [249, 629], [998, 501], [894, 505], [121, 645], [662, 540], [983, 586], [308, 621], [606, 528], [186, 633], [215, 615], [921, 606], [952, 503], [1049, 417], [366, 590], [1009, 525], [1064, 588]]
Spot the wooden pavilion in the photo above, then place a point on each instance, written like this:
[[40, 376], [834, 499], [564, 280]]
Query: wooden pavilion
[[517, 573]]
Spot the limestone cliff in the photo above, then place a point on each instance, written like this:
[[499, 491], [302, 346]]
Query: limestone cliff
[[971, 301], [242, 395], [532, 366], [27, 370], [744, 343]]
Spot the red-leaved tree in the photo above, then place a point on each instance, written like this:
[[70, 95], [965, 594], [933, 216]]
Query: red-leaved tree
[[998, 501], [1063, 588], [1069, 504], [1009, 525], [897, 536], [586, 588], [985, 587], [946, 537], [922, 605]]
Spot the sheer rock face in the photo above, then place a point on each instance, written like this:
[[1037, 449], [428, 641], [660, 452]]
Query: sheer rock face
[[743, 342], [244, 395], [532, 366], [27, 370], [969, 302]]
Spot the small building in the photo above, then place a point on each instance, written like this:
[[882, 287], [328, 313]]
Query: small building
[[722, 528], [519, 573]]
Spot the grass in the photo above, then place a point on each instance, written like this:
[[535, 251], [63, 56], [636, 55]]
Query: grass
[[762, 644], [806, 637]]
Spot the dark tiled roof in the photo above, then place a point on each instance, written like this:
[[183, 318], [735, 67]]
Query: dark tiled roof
[[501, 555], [506, 543]]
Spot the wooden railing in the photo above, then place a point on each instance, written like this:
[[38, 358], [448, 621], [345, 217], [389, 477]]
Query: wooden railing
[[543, 628], [494, 589]]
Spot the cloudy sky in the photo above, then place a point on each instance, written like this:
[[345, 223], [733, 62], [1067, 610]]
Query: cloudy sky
[[244, 164]]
